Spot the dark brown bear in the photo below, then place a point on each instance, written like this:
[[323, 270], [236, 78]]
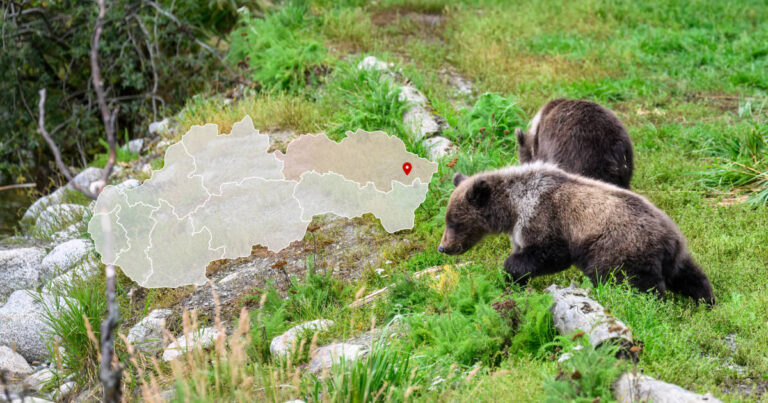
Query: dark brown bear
[[581, 137], [556, 219]]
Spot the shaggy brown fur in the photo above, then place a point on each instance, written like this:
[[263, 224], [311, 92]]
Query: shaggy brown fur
[[581, 137], [556, 219]]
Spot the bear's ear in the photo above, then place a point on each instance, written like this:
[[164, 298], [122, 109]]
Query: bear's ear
[[458, 177], [520, 137], [479, 194]]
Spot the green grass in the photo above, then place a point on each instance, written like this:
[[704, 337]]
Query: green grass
[[688, 79]]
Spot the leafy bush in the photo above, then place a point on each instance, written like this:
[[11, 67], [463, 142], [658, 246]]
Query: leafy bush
[[142, 52], [740, 161], [280, 57]]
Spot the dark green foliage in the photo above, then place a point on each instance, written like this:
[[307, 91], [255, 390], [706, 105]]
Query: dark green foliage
[[142, 55], [277, 50]]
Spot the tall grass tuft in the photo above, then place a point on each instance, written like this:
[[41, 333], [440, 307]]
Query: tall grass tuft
[[740, 162], [385, 375], [73, 313]]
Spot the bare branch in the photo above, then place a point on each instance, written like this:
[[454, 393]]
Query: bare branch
[[98, 87], [55, 149]]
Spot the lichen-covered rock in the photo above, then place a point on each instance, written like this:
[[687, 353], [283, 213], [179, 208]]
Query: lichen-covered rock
[[65, 256], [58, 217], [12, 363], [631, 388], [324, 357], [83, 271], [135, 146], [372, 63], [22, 326], [438, 147], [202, 338], [19, 269], [284, 344], [147, 335]]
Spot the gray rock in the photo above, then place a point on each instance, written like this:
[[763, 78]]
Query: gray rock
[[39, 378], [160, 126], [324, 357], [85, 178], [202, 338], [19, 269], [64, 391], [438, 147], [633, 387], [135, 146], [22, 326], [412, 95], [73, 231], [87, 269], [147, 335], [30, 216], [30, 399], [65, 256], [58, 217], [12, 363], [284, 344]]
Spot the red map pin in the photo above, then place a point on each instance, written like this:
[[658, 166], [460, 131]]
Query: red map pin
[[407, 168]]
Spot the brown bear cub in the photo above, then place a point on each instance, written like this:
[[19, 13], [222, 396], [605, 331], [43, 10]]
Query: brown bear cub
[[580, 137], [556, 219]]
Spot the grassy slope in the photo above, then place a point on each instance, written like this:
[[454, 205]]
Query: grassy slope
[[675, 72]]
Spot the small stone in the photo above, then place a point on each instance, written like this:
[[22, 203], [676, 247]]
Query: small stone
[[147, 335], [324, 357], [12, 363], [203, 338], [159, 127], [372, 63], [65, 390], [135, 146], [283, 345], [146, 169], [39, 378], [19, 270], [85, 178]]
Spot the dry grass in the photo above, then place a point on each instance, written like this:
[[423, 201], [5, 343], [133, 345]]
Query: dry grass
[[269, 112]]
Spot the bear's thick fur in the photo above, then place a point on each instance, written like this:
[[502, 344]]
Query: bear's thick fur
[[581, 137], [556, 219]]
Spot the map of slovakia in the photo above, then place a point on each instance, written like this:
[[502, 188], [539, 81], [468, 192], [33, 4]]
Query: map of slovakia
[[219, 195]]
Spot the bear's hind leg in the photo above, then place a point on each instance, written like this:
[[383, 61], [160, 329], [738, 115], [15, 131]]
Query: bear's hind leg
[[534, 261]]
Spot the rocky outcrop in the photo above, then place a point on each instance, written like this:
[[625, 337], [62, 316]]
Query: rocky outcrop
[[60, 221], [147, 335], [19, 269]]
